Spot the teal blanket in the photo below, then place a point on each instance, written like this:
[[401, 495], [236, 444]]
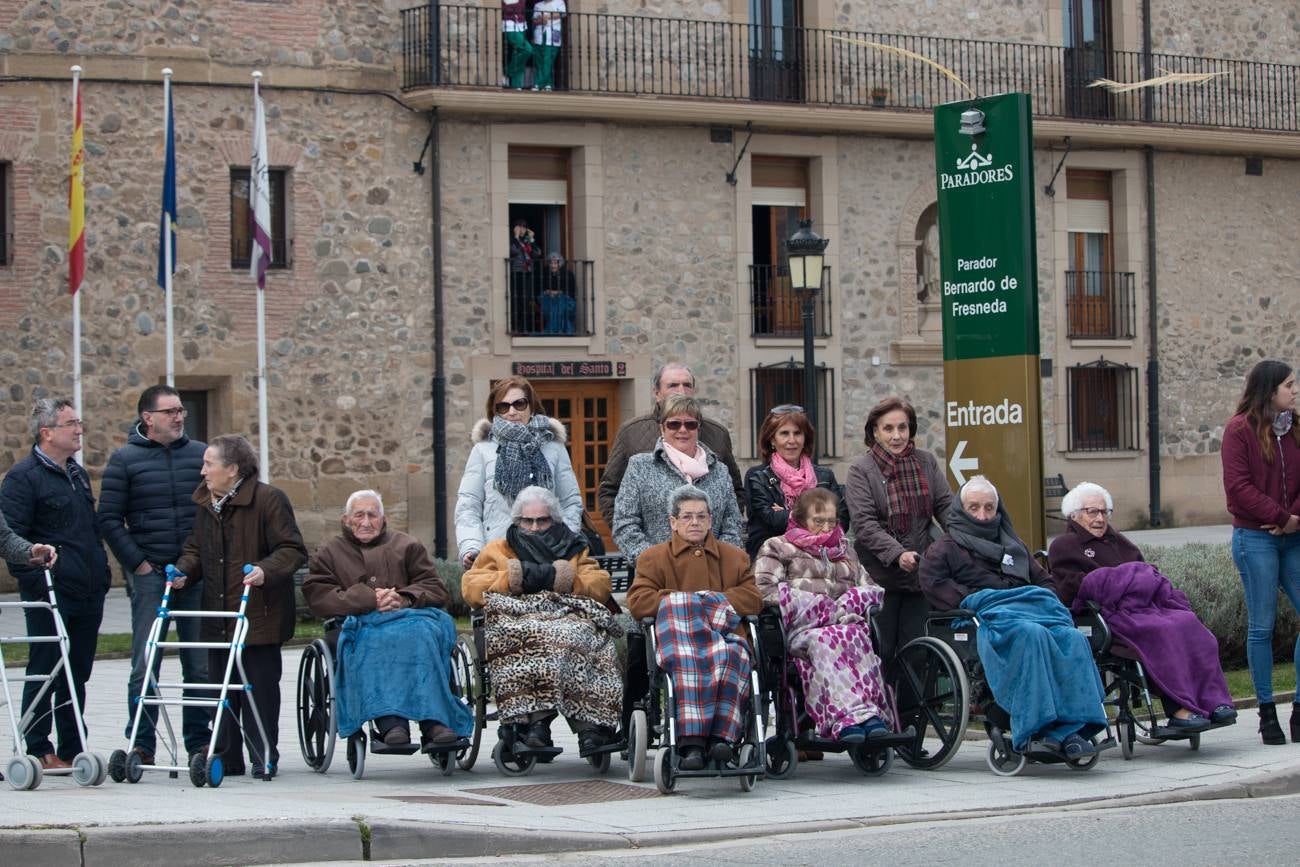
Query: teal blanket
[[397, 663], [1038, 665]]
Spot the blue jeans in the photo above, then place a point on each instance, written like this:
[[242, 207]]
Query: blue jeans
[[1266, 562], [146, 595]]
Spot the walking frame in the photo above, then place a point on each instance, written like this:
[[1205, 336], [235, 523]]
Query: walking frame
[[202, 768], [23, 771]]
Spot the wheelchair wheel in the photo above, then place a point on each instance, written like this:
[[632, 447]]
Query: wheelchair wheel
[[316, 725], [782, 758], [1084, 764], [1127, 732], [117, 766], [638, 738], [444, 761], [357, 754], [1004, 763], [743, 759], [600, 762], [665, 779], [1194, 741], [466, 674], [934, 698], [511, 765], [873, 762]]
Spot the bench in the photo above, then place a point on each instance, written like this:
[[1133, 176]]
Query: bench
[[1054, 487], [620, 573]]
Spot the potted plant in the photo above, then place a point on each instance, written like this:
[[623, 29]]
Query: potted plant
[[879, 95]]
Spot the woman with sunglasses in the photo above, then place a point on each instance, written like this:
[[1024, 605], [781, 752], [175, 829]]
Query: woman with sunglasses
[[786, 442], [679, 458], [895, 493], [514, 447]]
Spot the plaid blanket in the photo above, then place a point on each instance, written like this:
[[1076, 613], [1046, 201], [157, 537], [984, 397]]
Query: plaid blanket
[[709, 664]]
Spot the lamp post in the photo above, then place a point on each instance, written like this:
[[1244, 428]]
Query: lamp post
[[805, 252]]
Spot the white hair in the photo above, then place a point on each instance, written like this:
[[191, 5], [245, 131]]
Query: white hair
[[978, 483], [687, 494], [537, 494], [1073, 501], [364, 495]]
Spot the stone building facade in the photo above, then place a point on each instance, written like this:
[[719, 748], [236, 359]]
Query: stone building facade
[[673, 259]]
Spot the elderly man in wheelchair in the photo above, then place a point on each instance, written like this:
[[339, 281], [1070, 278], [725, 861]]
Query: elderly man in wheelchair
[[380, 595], [1037, 665]]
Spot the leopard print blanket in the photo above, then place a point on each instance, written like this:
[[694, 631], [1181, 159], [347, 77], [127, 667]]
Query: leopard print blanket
[[548, 651]]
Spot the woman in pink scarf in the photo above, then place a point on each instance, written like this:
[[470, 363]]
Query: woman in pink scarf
[[786, 442]]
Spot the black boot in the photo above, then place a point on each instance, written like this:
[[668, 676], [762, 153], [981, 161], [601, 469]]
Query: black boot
[[1295, 722], [1269, 730]]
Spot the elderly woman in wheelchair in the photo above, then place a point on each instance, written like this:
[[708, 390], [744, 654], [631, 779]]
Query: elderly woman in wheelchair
[[1036, 664], [548, 636], [1157, 636]]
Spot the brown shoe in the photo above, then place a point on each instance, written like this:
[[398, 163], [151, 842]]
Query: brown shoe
[[437, 735], [145, 758], [51, 762], [397, 736]]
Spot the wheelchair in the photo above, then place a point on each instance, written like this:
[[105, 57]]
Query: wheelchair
[[653, 723], [318, 725], [971, 693], [793, 729]]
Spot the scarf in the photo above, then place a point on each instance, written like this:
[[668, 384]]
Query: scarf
[[830, 545], [794, 480], [906, 487], [520, 461], [218, 503], [993, 540], [556, 542], [693, 467]]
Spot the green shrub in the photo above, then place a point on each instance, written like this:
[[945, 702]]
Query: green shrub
[[1208, 576], [451, 572]]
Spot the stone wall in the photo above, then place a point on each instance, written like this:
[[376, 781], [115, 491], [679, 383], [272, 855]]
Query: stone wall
[[1268, 31]]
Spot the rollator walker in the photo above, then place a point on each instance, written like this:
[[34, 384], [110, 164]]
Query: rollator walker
[[202, 768], [23, 771]]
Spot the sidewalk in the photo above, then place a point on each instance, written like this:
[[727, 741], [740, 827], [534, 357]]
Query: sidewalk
[[404, 808]]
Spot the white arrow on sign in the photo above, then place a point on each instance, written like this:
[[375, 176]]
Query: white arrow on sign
[[959, 464]]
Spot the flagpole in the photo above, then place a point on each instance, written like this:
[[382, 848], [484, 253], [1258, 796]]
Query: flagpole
[[76, 293], [264, 436], [168, 253]]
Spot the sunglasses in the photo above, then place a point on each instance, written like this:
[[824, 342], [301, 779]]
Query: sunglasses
[[785, 408], [677, 424], [519, 405], [536, 523]]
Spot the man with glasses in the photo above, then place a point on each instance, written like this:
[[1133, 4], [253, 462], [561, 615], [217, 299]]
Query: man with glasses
[[146, 512], [47, 496], [640, 434]]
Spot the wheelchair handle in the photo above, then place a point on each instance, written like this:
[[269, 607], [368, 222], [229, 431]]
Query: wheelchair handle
[[950, 614]]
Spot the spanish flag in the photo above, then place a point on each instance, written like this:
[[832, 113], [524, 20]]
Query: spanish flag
[[77, 197]]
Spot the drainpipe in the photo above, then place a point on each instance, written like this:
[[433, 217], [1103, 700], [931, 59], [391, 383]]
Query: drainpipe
[[1153, 332], [439, 385]]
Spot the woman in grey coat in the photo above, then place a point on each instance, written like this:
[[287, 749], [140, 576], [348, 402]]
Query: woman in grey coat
[[679, 458], [17, 550], [893, 492], [514, 447]]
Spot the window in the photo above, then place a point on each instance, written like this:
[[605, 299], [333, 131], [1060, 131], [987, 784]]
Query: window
[[1087, 58], [1103, 400], [241, 234], [196, 420], [776, 384], [6, 216], [779, 201], [775, 54], [1099, 300]]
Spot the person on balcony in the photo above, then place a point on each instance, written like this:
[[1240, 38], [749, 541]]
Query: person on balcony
[[548, 16], [518, 50], [559, 294], [523, 278]]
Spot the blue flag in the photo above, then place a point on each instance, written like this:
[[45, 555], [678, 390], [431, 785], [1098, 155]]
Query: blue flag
[[167, 220]]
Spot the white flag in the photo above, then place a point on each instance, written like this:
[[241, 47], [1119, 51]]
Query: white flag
[[259, 197]]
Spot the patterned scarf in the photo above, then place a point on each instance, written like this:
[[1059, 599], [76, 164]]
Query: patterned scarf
[[218, 503], [905, 485], [830, 545], [794, 480], [520, 461]]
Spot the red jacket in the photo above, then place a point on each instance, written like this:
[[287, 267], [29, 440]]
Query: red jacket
[[1259, 492]]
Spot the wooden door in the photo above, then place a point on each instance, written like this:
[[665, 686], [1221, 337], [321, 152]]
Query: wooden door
[[588, 409]]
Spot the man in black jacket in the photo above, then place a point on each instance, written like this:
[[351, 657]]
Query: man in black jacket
[[146, 512], [47, 496]]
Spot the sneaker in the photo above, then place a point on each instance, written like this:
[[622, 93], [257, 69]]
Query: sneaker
[[397, 736], [1076, 746], [855, 734], [536, 88], [539, 735], [1195, 722], [720, 751], [547, 88], [1224, 713], [692, 759]]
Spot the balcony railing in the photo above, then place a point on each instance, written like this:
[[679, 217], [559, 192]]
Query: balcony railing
[[547, 303], [777, 310], [461, 46], [1104, 409], [1100, 304]]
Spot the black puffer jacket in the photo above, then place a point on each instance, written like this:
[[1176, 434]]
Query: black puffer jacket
[[146, 510], [763, 490]]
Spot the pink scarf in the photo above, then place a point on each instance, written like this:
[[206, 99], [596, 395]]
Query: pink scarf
[[794, 480], [830, 545], [691, 466]]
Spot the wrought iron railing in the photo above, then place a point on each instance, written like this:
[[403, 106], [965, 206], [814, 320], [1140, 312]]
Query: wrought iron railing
[[773, 385], [1104, 409], [241, 249], [1100, 304], [461, 46], [777, 310], [546, 302]]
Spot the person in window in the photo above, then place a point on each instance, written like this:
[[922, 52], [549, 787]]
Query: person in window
[[548, 33], [518, 50], [559, 292], [523, 278], [786, 442]]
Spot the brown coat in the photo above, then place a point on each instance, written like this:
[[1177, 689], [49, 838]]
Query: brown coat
[[344, 573], [497, 570], [257, 527], [677, 566]]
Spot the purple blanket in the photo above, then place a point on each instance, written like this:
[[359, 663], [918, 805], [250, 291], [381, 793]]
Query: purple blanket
[[1151, 616]]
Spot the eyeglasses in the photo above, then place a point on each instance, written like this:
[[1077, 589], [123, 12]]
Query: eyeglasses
[[677, 424], [1096, 513], [693, 518], [536, 523], [171, 411], [785, 408], [824, 523], [72, 422], [520, 405]]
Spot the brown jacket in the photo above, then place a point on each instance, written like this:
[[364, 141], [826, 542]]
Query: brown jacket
[[497, 570], [677, 566], [257, 527], [343, 575]]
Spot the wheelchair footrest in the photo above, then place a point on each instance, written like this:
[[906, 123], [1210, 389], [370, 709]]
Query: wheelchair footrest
[[379, 748], [615, 746], [544, 755], [449, 747]]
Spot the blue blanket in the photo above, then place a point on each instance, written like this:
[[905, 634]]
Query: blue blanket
[[397, 663], [1038, 665]]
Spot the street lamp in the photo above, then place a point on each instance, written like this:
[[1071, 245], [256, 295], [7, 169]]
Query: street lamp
[[805, 252]]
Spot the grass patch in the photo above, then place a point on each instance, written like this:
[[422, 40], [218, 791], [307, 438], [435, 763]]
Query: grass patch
[[1240, 685]]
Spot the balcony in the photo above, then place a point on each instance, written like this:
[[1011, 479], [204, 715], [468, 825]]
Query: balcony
[[1099, 305], [776, 308], [546, 303], [461, 47]]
